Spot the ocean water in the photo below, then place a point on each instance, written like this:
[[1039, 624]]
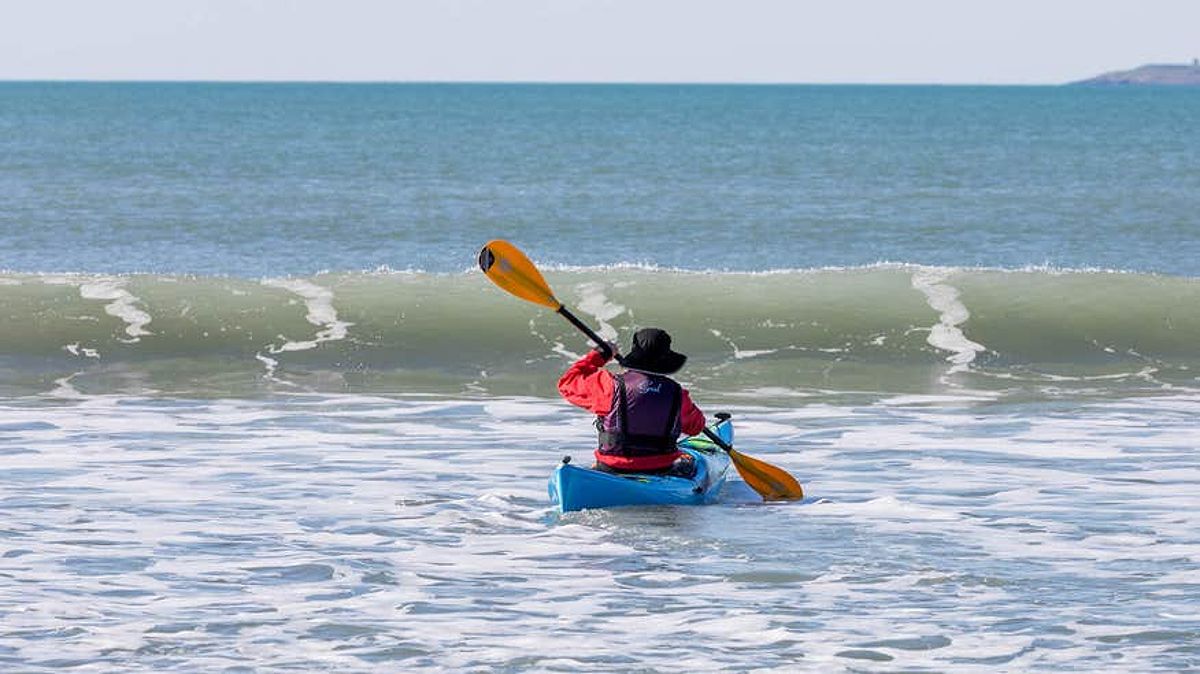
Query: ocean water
[[259, 411]]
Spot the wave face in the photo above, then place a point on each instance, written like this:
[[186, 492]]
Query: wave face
[[878, 328]]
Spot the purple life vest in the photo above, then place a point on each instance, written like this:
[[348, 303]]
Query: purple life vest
[[644, 419]]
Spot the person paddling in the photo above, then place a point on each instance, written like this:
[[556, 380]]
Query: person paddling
[[641, 412], [510, 269]]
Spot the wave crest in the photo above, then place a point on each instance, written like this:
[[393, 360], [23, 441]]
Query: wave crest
[[746, 330]]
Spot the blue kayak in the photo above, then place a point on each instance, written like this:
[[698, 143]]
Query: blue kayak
[[576, 488]]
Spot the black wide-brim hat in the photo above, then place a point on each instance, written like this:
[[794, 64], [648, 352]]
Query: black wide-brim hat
[[651, 352]]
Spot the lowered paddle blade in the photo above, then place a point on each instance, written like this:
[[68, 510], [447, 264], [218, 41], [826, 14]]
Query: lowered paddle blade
[[508, 268], [771, 482]]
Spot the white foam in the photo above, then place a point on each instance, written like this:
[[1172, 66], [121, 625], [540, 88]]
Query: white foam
[[882, 264], [63, 388], [593, 301], [739, 353], [946, 334], [76, 350], [556, 346], [122, 304], [318, 301], [769, 392], [562, 350], [271, 364], [429, 519]]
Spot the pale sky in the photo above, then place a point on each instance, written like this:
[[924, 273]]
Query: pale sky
[[842, 41]]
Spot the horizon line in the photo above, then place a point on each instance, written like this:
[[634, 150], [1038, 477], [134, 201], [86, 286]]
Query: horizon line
[[521, 82]]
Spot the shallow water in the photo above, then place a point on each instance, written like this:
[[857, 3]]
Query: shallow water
[[365, 533]]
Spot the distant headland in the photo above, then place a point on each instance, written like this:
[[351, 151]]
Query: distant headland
[[1182, 74]]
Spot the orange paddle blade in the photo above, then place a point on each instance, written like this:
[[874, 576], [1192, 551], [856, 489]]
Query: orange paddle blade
[[508, 268], [772, 483]]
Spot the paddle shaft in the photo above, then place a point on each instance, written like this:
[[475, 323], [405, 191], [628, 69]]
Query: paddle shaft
[[582, 327], [717, 440]]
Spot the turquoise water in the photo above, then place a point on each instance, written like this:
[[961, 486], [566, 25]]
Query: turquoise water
[[259, 411], [883, 328], [293, 179]]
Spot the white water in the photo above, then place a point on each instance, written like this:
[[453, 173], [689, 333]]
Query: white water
[[319, 311], [947, 334], [593, 302], [119, 302], [345, 533]]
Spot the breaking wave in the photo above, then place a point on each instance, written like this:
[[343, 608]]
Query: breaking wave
[[885, 326]]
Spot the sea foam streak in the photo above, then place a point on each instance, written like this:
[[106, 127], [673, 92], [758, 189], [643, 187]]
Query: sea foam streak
[[318, 301], [121, 303], [594, 303], [946, 334]]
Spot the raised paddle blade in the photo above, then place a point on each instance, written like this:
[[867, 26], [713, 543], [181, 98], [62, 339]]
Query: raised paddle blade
[[771, 482], [508, 268]]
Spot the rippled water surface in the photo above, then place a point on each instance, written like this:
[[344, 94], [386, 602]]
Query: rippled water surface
[[259, 411], [346, 533]]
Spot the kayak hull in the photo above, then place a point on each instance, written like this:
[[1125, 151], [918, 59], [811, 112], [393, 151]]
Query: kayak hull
[[578, 488]]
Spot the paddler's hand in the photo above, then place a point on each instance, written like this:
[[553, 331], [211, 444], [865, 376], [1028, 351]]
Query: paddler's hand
[[608, 350]]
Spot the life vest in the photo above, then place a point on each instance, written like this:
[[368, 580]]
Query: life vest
[[640, 431]]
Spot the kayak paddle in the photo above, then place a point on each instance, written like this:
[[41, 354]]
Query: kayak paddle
[[510, 269]]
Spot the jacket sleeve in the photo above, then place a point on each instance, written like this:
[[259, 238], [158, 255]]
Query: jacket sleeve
[[586, 384], [691, 419]]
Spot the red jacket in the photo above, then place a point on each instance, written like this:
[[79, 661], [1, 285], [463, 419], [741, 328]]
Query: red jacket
[[588, 385]]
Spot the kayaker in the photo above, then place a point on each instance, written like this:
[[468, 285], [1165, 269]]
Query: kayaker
[[640, 412]]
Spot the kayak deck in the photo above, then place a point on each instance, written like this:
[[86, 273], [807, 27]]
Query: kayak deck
[[577, 488]]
